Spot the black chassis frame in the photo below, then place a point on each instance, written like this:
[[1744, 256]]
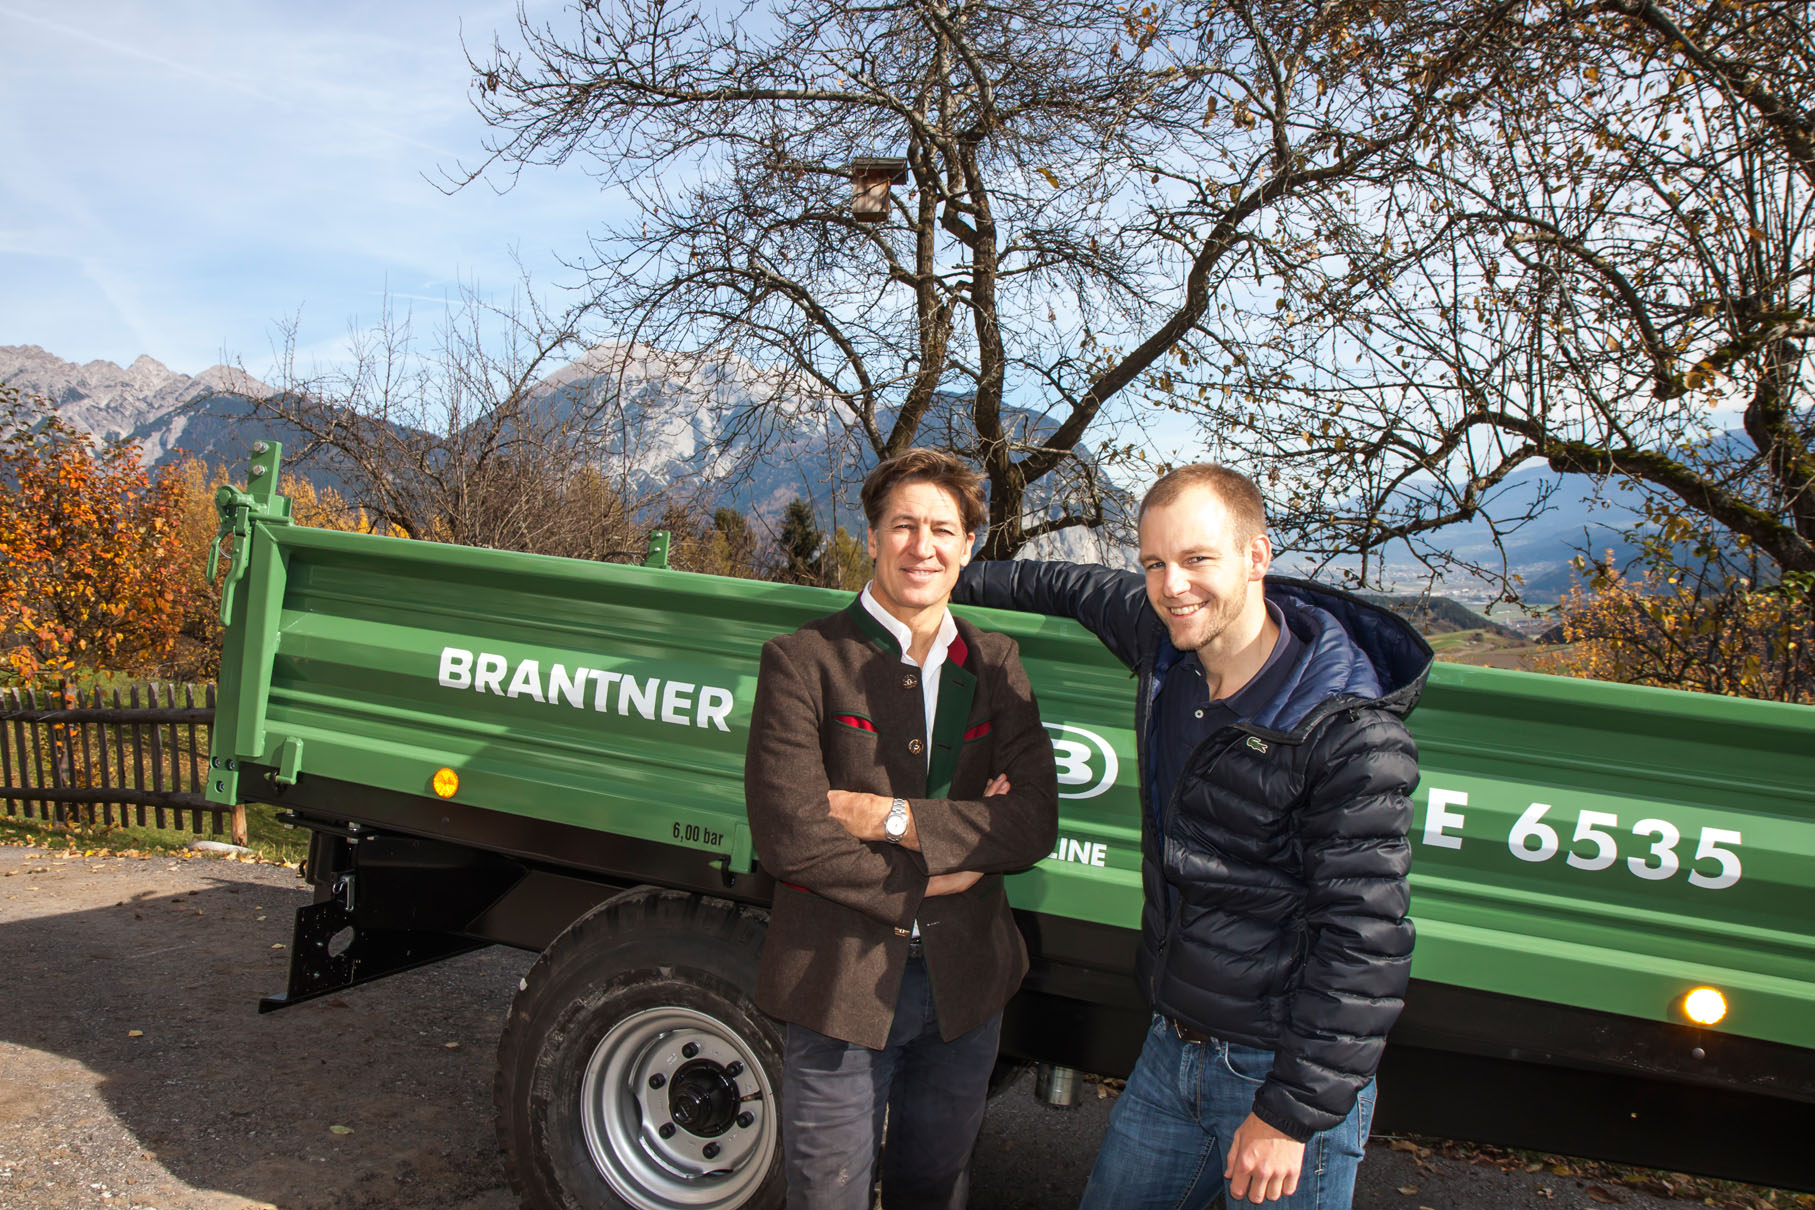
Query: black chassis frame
[[403, 881]]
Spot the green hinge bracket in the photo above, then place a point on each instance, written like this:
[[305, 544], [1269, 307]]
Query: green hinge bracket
[[741, 859], [223, 772], [238, 510], [289, 762], [223, 780], [658, 550], [247, 648]]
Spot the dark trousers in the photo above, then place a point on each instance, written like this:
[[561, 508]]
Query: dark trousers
[[835, 1096]]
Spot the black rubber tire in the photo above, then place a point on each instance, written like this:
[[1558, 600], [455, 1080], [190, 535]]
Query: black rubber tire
[[638, 974]]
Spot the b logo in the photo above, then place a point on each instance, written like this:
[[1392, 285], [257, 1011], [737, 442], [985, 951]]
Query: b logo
[[1088, 762]]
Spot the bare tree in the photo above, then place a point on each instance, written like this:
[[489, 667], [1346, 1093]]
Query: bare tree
[[483, 435], [1085, 189], [1605, 265]]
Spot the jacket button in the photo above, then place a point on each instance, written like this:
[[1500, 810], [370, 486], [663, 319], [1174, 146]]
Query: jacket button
[[915, 746], [910, 681]]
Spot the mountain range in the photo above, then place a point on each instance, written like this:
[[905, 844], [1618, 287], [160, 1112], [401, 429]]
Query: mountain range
[[1571, 518], [679, 422], [675, 428]]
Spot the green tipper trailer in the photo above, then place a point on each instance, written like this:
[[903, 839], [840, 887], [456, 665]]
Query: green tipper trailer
[[497, 748]]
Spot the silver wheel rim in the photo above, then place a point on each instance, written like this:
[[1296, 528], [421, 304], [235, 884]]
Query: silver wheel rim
[[630, 1092]]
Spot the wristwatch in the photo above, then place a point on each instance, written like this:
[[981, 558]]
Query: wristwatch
[[895, 826]]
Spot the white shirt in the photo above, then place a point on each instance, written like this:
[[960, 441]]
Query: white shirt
[[929, 671], [935, 659]]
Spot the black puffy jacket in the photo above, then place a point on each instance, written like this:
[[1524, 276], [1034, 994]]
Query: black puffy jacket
[[1275, 886]]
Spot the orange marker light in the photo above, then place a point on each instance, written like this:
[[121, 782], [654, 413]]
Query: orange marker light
[[446, 783], [1705, 1006]]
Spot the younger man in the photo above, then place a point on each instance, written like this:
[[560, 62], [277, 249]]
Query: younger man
[[1276, 772]]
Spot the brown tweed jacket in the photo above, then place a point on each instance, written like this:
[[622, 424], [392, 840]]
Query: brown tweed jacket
[[837, 709]]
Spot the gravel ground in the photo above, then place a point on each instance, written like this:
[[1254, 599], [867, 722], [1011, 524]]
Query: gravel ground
[[136, 1072]]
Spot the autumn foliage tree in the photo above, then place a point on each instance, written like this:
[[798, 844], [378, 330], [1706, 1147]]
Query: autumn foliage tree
[[1659, 625], [87, 537], [1698, 609], [196, 653]]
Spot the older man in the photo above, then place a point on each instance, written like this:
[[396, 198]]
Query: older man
[[896, 769], [1276, 771]]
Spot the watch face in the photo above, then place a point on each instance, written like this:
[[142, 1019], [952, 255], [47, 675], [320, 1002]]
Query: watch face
[[896, 823]]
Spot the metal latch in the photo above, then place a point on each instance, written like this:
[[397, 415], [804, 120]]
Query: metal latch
[[238, 510], [289, 762]]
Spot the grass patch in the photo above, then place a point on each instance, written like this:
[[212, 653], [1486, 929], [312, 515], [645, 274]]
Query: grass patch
[[268, 839], [1453, 640]]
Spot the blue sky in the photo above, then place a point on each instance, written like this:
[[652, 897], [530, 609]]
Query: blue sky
[[180, 177]]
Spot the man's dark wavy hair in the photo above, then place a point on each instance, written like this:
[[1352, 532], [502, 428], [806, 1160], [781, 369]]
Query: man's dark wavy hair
[[925, 466]]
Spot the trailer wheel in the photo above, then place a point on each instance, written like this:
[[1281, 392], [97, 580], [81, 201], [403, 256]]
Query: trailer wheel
[[636, 1070]]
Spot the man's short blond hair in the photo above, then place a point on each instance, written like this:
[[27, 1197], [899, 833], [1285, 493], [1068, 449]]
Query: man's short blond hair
[[1247, 511]]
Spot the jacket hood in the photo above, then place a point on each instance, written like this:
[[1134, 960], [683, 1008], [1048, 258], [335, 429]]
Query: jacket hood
[[1353, 651]]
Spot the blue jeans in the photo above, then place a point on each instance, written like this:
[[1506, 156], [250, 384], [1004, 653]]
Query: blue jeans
[[1169, 1132], [835, 1096]]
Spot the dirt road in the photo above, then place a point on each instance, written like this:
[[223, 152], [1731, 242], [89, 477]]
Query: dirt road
[[135, 1071]]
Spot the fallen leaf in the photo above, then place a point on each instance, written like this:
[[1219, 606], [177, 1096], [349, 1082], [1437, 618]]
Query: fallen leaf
[[451, 1045], [135, 1033], [280, 945], [1408, 1190], [340, 1130], [1604, 1196]]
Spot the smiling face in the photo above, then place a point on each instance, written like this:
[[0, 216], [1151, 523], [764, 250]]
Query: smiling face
[[919, 544], [1204, 578]]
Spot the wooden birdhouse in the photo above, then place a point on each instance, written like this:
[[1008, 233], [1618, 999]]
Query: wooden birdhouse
[[870, 181]]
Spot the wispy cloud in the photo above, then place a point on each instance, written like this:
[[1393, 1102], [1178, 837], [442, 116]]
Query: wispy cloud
[[182, 175]]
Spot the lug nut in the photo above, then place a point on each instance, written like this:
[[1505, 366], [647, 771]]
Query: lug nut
[[689, 1050], [735, 1069], [746, 1119], [666, 1130], [657, 1080], [710, 1151]]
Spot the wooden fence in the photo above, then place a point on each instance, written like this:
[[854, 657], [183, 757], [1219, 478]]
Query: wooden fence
[[74, 758]]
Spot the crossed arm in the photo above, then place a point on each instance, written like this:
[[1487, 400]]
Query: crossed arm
[[826, 838], [863, 816]]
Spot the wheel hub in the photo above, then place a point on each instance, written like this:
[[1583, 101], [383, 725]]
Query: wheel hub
[[678, 1112], [703, 1098]]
